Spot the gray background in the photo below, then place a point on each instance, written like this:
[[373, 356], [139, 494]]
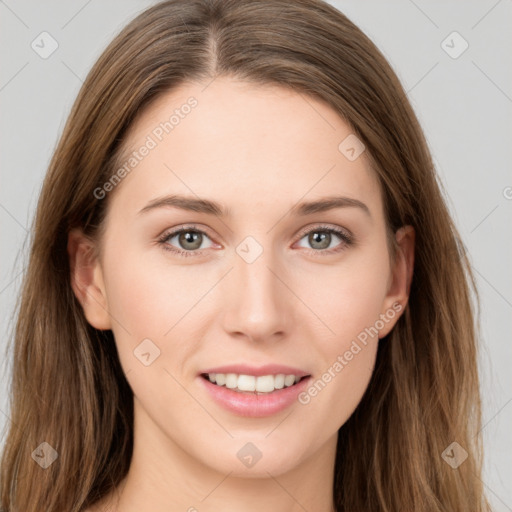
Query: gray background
[[463, 103]]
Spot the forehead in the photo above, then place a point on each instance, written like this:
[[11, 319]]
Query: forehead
[[243, 144]]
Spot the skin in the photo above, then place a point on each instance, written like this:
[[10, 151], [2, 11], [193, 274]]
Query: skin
[[258, 150]]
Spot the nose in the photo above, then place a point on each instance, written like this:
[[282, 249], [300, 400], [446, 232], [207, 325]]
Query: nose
[[258, 305]]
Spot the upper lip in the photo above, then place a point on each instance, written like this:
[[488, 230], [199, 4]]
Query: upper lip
[[268, 369]]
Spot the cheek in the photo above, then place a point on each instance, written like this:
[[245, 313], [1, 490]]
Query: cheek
[[337, 390], [346, 357], [153, 308], [350, 305], [349, 299], [149, 296]]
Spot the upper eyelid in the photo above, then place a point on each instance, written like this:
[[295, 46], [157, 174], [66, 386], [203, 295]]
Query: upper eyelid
[[175, 231], [303, 232], [325, 227]]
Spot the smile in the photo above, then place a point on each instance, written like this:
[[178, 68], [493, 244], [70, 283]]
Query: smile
[[251, 383]]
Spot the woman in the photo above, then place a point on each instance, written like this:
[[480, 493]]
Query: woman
[[245, 290]]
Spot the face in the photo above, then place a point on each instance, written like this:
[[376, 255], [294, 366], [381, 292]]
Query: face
[[256, 285]]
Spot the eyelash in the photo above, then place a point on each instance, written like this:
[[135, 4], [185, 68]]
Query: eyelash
[[346, 238]]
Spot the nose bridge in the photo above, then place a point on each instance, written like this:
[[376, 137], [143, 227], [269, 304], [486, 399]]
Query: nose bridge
[[256, 304]]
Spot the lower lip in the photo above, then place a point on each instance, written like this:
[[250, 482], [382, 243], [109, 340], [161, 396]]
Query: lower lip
[[251, 404]]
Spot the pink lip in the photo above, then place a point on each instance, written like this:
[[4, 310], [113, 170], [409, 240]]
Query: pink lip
[[251, 404], [268, 369]]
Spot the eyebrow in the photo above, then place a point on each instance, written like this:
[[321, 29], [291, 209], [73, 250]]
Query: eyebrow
[[213, 208]]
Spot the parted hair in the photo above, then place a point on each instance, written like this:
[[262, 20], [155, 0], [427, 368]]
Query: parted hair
[[68, 388]]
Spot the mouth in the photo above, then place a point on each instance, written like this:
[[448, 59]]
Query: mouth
[[254, 391], [254, 384]]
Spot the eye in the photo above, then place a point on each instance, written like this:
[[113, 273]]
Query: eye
[[321, 239], [189, 241]]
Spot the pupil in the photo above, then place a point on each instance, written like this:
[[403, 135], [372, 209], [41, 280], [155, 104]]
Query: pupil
[[190, 237], [325, 239]]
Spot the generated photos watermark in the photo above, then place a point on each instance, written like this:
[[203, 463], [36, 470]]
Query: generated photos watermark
[[344, 359], [151, 142]]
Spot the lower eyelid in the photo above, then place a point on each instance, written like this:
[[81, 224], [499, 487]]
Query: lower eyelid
[[164, 239], [345, 240]]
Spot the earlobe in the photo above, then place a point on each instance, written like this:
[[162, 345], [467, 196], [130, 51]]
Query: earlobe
[[87, 279], [401, 277]]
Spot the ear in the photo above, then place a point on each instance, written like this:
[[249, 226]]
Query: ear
[[400, 280], [87, 279]]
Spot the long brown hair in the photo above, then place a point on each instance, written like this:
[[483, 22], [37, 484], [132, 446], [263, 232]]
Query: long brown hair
[[68, 388]]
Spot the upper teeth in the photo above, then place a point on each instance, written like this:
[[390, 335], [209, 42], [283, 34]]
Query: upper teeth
[[262, 384]]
